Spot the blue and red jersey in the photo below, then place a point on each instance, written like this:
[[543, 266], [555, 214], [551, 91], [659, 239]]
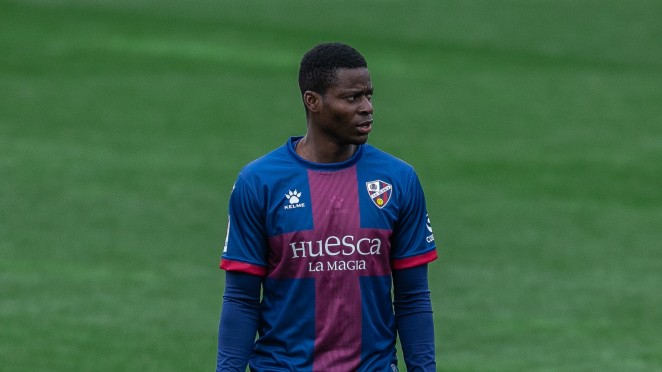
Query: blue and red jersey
[[326, 238]]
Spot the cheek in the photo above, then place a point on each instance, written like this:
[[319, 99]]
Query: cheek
[[341, 116], [338, 118]]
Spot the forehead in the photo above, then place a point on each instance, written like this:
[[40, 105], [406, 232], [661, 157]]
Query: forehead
[[351, 78]]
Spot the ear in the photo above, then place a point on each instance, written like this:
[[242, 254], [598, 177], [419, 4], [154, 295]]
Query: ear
[[312, 101]]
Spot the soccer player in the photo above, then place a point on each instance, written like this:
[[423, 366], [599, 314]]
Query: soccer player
[[328, 242]]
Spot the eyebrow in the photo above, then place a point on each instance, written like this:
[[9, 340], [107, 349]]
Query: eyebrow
[[368, 90]]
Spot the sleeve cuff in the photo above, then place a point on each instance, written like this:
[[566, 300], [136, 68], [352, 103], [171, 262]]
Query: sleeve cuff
[[231, 265], [421, 259]]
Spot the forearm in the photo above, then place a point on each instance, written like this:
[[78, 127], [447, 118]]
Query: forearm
[[413, 313], [239, 320]]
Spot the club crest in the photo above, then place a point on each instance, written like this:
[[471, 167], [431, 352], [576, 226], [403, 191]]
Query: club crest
[[380, 192]]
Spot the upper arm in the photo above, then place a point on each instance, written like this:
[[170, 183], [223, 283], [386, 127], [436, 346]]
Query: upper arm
[[245, 248], [413, 240]]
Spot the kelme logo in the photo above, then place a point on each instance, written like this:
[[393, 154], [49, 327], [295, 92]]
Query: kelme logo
[[293, 200]]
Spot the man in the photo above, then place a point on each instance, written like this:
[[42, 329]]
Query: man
[[318, 231]]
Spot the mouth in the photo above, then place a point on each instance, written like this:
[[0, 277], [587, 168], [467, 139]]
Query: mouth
[[364, 127]]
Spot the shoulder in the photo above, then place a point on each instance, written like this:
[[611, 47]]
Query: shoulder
[[275, 159], [380, 158]]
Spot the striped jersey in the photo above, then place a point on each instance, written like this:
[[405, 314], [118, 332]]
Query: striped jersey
[[326, 238]]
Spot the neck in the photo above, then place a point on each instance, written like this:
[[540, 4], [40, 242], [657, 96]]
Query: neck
[[324, 152]]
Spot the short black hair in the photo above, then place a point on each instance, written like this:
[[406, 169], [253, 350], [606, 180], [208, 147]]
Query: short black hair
[[317, 70]]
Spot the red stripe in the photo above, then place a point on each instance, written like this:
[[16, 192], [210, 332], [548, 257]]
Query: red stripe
[[230, 265], [405, 263], [338, 320]]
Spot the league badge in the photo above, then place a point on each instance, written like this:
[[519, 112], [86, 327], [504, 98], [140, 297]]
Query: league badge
[[380, 192]]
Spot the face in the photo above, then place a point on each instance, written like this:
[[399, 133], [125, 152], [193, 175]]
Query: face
[[345, 110]]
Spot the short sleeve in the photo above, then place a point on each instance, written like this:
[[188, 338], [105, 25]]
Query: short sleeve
[[413, 240], [245, 248]]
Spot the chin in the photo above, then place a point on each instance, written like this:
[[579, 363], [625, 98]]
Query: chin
[[360, 140]]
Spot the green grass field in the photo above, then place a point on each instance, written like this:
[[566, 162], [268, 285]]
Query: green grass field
[[535, 127]]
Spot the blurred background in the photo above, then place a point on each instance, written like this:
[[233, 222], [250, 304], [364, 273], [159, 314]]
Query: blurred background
[[535, 127]]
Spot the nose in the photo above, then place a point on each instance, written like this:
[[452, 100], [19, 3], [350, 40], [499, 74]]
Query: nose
[[366, 106]]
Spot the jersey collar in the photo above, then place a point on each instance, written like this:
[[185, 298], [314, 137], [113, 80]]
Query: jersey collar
[[291, 148]]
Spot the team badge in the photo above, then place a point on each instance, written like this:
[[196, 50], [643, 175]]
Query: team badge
[[380, 192]]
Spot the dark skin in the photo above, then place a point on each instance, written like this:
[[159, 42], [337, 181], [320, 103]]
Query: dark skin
[[339, 120]]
